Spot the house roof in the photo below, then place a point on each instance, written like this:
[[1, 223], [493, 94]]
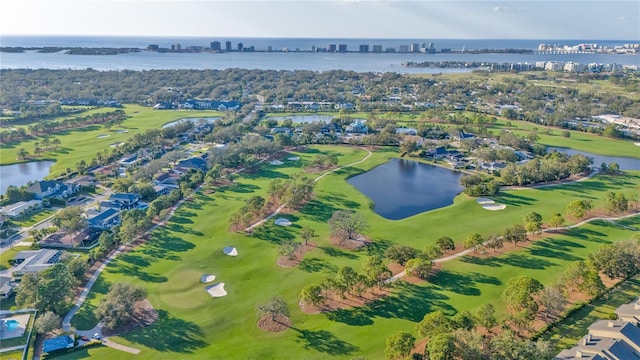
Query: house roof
[[104, 216], [42, 186], [193, 163], [36, 260], [129, 197]]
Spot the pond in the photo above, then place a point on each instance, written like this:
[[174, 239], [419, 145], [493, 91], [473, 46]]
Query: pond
[[193, 120], [299, 119], [402, 188], [21, 174], [624, 162]]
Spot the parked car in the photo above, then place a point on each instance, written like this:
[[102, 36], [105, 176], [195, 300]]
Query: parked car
[[96, 336], [84, 338]]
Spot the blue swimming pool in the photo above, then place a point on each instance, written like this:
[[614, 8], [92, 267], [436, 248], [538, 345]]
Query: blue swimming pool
[[11, 324]]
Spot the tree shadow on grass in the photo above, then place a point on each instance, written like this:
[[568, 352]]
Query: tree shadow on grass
[[317, 265], [318, 211], [587, 234], [518, 260], [177, 228], [181, 220], [335, 252], [551, 253], [353, 317], [325, 342], [265, 172], [273, 233], [169, 334], [243, 188], [512, 199], [135, 272], [462, 283], [378, 247]]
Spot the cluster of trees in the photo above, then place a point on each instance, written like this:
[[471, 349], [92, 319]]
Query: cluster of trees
[[324, 161], [348, 281], [458, 337], [618, 260], [553, 167], [240, 153], [51, 289], [117, 307], [15, 194], [616, 202], [479, 185]]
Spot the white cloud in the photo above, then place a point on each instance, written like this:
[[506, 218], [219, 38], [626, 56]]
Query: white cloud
[[500, 8]]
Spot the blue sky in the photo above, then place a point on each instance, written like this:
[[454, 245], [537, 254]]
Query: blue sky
[[512, 19]]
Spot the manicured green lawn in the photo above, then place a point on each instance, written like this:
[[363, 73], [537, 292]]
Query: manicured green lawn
[[83, 144], [192, 324], [571, 330], [9, 254], [34, 218]]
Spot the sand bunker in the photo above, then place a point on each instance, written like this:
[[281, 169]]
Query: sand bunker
[[494, 207], [636, 143], [230, 250], [276, 162], [483, 201], [102, 136], [116, 144], [122, 131], [294, 158], [283, 222], [216, 290], [207, 278]]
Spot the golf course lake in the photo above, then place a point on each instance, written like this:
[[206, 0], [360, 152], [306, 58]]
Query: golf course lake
[[625, 163], [20, 174], [402, 188]]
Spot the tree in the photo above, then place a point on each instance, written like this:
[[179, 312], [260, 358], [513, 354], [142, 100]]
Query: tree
[[533, 222], [463, 320], [519, 294], [441, 347], [77, 267], [474, 241], [487, 316], [401, 253], [446, 244], [346, 224], [433, 323], [616, 202], [566, 133], [432, 252], [408, 147], [70, 219], [346, 279], [494, 242], [375, 271], [552, 299], [287, 248], [49, 290], [419, 267], [56, 143], [517, 233], [618, 260], [591, 283], [22, 154], [117, 307], [274, 307], [556, 220], [307, 234], [47, 322], [312, 294], [573, 274], [399, 345], [579, 208]]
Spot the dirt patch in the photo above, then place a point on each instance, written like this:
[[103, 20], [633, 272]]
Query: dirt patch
[[334, 301], [276, 324], [351, 244], [297, 257], [143, 315]]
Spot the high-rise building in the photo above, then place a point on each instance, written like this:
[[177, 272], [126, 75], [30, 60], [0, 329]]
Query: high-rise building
[[404, 49], [415, 47], [215, 46], [364, 48], [227, 45], [342, 48], [377, 48], [240, 46], [331, 48]]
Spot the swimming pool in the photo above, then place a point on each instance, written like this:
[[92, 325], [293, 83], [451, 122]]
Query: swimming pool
[[11, 324]]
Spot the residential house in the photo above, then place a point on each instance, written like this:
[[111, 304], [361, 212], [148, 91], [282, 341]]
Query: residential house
[[33, 261], [20, 208], [437, 153], [406, 131], [630, 312], [606, 339], [6, 287], [357, 127], [161, 189], [281, 130], [105, 220], [82, 182], [195, 163], [56, 189], [126, 201], [196, 104], [168, 179], [129, 160], [58, 343], [461, 135]]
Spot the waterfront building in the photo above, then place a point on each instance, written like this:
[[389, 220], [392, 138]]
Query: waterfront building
[[227, 45], [415, 47], [404, 49], [364, 48], [240, 46], [216, 46], [377, 48], [332, 48], [342, 48]]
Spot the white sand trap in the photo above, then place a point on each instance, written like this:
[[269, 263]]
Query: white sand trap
[[483, 201], [636, 143], [207, 278], [276, 162], [494, 207], [216, 290], [294, 158], [122, 131], [116, 144], [283, 222], [230, 250], [102, 136]]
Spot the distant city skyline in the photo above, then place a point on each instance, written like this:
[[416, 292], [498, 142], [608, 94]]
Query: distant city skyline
[[384, 19]]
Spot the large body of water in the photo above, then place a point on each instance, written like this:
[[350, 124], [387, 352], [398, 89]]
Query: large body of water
[[361, 62], [402, 188], [20, 174]]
